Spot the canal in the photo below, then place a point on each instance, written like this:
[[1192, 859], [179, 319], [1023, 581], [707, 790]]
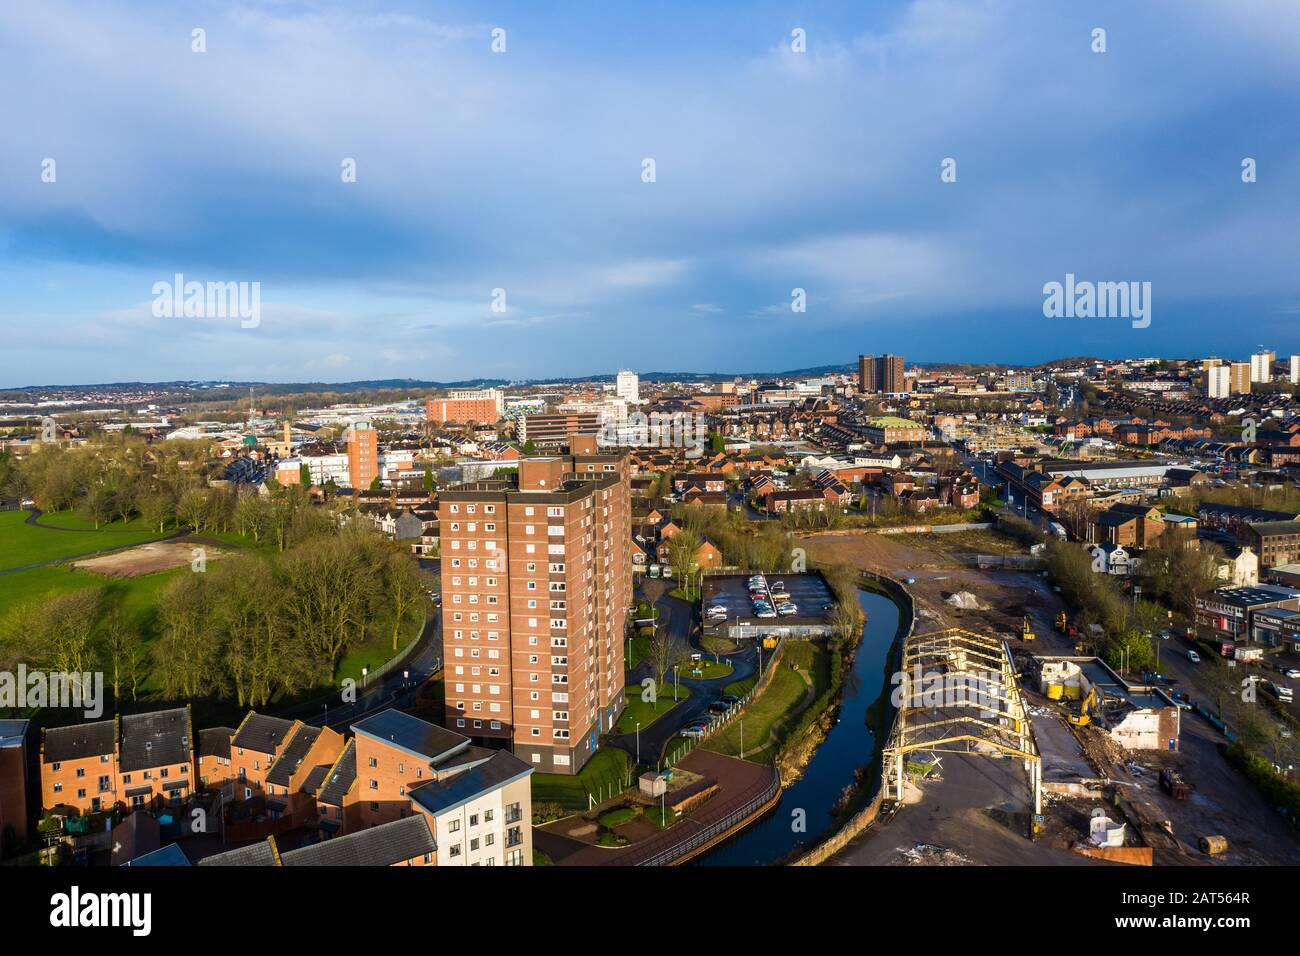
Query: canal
[[850, 744]]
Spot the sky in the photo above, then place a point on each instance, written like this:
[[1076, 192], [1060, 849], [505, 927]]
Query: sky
[[501, 224]]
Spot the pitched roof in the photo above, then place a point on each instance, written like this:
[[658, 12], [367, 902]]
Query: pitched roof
[[416, 736], [78, 741], [293, 755], [156, 739], [170, 855], [215, 741], [312, 782], [384, 845], [261, 732], [341, 776], [437, 796], [1275, 527], [255, 854]]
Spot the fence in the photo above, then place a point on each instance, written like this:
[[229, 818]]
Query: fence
[[672, 848], [737, 712], [841, 837], [864, 818]]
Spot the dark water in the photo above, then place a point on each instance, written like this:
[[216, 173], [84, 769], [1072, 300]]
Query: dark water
[[849, 745]]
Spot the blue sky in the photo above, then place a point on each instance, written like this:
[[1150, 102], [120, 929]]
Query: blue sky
[[522, 171]]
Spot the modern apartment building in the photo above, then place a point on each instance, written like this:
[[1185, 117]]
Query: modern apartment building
[[881, 373], [627, 386], [1218, 381], [553, 429], [537, 580], [1239, 382], [400, 792], [363, 454], [1295, 370], [484, 405], [1261, 367]]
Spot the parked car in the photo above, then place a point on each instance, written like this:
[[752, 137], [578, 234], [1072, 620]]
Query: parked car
[[765, 613], [1280, 691], [729, 699], [1292, 672], [692, 731], [1182, 700], [787, 610], [1194, 657], [780, 595]]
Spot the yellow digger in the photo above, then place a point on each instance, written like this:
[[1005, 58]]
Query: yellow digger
[[1026, 630], [1077, 713], [1062, 622]]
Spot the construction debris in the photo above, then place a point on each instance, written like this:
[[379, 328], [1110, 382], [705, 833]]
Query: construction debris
[[1213, 845], [966, 601], [927, 854]]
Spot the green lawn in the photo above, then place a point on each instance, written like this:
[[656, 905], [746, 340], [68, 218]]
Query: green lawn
[[779, 703], [707, 669], [605, 771], [378, 649], [137, 597], [22, 544], [646, 713], [716, 644], [616, 818], [640, 651], [661, 818], [739, 688]]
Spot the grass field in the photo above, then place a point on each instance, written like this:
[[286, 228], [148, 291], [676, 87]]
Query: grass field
[[377, 650], [647, 714], [707, 669], [774, 710], [605, 772], [22, 544], [640, 651]]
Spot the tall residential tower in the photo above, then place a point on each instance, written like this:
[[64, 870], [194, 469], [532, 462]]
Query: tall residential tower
[[536, 584]]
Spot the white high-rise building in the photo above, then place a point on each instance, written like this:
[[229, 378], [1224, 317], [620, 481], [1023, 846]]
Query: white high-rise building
[[1218, 381], [1261, 367], [1295, 370], [627, 386]]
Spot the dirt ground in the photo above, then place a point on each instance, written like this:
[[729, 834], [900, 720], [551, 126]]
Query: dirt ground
[[146, 559], [972, 815]]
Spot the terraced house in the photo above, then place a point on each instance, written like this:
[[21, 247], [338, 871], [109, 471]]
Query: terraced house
[[141, 761], [402, 792]]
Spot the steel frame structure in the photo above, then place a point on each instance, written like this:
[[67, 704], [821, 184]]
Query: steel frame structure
[[996, 722]]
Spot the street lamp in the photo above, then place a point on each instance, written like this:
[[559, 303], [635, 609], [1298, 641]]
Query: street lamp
[[638, 743]]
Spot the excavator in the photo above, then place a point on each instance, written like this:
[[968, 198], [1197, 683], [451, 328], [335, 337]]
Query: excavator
[[1026, 629], [1062, 622], [1079, 712]]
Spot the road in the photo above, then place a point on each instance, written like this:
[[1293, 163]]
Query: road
[[679, 617], [396, 688]]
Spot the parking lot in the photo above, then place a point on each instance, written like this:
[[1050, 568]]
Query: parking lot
[[808, 590]]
